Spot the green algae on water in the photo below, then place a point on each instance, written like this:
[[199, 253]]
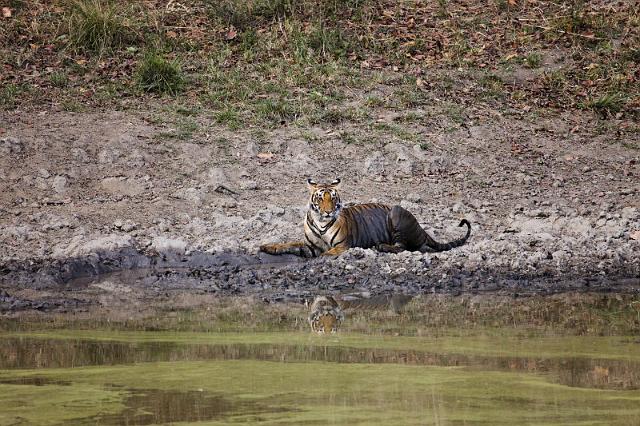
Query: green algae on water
[[106, 377]]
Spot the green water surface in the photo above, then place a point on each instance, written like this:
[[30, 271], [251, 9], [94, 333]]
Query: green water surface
[[80, 377]]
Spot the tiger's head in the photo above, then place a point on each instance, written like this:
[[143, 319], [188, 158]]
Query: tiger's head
[[324, 200], [325, 315]]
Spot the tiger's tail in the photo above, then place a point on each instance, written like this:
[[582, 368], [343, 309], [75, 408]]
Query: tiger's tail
[[433, 245]]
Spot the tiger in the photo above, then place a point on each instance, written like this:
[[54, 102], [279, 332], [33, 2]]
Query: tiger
[[330, 228], [325, 315]]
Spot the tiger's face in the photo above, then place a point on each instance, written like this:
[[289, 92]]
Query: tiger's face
[[324, 199], [326, 323], [325, 315]]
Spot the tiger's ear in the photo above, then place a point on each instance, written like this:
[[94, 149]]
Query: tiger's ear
[[336, 183], [311, 184]]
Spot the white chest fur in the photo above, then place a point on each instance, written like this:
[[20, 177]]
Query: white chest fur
[[320, 233]]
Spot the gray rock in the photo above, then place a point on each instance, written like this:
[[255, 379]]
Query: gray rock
[[613, 230], [437, 164], [249, 185], [80, 155], [404, 162], [108, 156], [216, 177], [11, 146], [229, 204], [252, 149], [629, 213], [375, 164], [56, 223], [192, 195], [413, 197], [79, 246], [169, 245], [560, 255], [128, 226], [59, 184]]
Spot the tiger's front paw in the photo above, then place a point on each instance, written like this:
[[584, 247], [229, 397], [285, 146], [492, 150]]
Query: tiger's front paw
[[269, 248]]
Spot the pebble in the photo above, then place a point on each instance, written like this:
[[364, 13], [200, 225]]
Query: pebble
[[413, 197], [60, 184]]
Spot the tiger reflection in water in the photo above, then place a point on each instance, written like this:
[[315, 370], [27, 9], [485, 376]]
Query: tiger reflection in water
[[326, 313]]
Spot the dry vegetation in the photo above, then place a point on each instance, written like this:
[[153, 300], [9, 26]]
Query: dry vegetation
[[265, 62], [570, 313]]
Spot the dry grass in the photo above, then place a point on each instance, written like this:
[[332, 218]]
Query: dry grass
[[290, 55], [570, 314]]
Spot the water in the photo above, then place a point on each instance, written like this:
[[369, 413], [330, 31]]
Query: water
[[493, 377]]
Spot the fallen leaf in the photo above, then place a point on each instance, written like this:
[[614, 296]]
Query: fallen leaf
[[419, 82], [172, 34], [635, 235], [265, 155], [513, 2], [6, 12], [231, 34]]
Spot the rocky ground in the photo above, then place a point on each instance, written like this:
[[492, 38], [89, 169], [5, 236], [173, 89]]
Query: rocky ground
[[553, 200]]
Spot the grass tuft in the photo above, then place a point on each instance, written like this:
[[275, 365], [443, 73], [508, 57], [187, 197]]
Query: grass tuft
[[59, 79], [8, 96], [95, 26], [160, 75], [533, 60], [607, 104], [229, 117]]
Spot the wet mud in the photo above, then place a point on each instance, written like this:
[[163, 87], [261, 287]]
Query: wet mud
[[79, 283]]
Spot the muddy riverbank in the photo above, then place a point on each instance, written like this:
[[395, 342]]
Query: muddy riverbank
[[127, 278], [553, 204]]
